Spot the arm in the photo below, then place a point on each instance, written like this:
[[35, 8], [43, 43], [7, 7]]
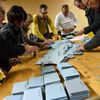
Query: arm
[[30, 42], [94, 42], [57, 23], [35, 29], [52, 26], [95, 25]]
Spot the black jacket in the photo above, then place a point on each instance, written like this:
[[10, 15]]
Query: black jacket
[[94, 26], [93, 19], [11, 41]]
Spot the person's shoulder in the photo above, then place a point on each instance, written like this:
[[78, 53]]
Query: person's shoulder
[[59, 14], [6, 29], [35, 16]]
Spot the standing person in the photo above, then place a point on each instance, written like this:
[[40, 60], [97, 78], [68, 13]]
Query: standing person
[[40, 26], [11, 42], [93, 26], [65, 21]]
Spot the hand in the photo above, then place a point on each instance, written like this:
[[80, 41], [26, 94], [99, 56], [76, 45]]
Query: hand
[[80, 32], [14, 61], [56, 37], [68, 30], [81, 47], [48, 41], [31, 49]]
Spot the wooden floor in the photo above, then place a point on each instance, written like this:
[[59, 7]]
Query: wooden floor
[[88, 65]]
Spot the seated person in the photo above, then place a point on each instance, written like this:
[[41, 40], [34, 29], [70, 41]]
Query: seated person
[[11, 40], [26, 28], [65, 21], [28, 36], [94, 24], [40, 26]]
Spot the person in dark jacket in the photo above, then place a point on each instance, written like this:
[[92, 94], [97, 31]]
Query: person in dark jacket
[[93, 17], [11, 42]]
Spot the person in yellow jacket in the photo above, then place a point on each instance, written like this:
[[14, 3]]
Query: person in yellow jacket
[[41, 24]]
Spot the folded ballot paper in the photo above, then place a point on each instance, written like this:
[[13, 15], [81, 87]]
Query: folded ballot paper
[[51, 78], [60, 54], [33, 94], [19, 88], [56, 44], [47, 69], [65, 65], [69, 73], [14, 97], [35, 82], [85, 40], [55, 56], [76, 89], [55, 91]]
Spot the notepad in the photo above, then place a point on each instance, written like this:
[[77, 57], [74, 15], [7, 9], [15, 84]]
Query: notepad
[[77, 90], [33, 94], [55, 92], [65, 65], [35, 82], [51, 78], [19, 87], [69, 73], [14, 97]]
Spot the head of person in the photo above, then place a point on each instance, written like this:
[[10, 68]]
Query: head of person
[[65, 9], [16, 15], [29, 20], [43, 10], [2, 14], [94, 4], [79, 4]]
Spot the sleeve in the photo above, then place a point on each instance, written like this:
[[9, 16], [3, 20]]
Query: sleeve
[[30, 42], [52, 26], [11, 52], [9, 49], [57, 23], [35, 29], [94, 42], [95, 25]]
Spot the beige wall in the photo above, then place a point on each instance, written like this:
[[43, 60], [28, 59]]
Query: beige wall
[[31, 6]]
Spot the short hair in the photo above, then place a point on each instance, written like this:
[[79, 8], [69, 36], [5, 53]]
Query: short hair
[[43, 6], [65, 6], [16, 13], [2, 10]]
